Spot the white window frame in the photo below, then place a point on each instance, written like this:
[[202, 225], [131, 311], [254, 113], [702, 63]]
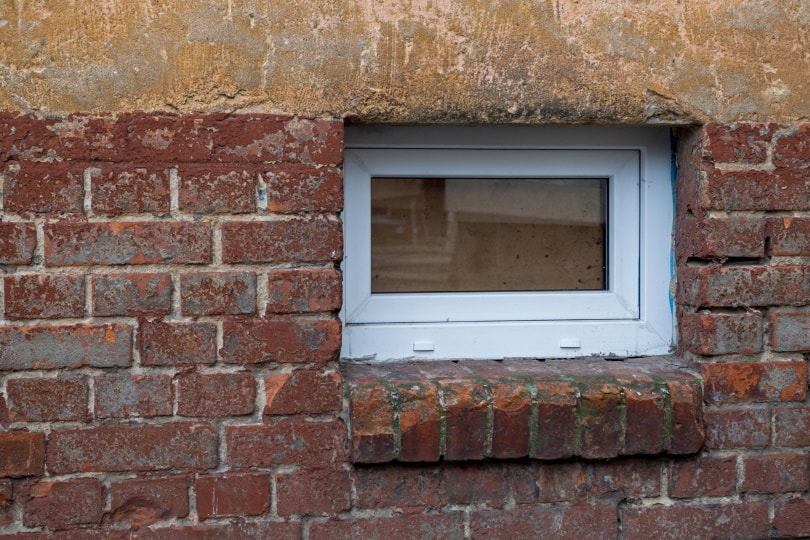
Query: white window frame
[[632, 317]]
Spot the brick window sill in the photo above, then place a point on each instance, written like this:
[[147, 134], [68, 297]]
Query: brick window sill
[[553, 409]]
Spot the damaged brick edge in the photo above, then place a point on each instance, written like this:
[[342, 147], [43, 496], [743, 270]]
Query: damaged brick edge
[[511, 409]]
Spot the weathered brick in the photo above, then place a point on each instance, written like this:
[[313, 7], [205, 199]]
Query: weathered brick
[[297, 239], [307, 492], [81, 244], [721, 333], [129, 188], [303, 391], [6, 502], [286, 442], [719, 238], [165, 136], [238, 530], [218, 293], [296, 188], [143, 501], [47, 399], [781, 189], [557, 522], [740, 143], [122, 395], [775, 473], [789, 331], [557, 482], [371, 414], [792, 517], [747, 520], [737, 428], [687, 432], [465, 408], [177, 344], [705, 476], [792, 149], [792, 426], [395, 486], [132, 448], [788, 236], [22, 454], [58, 505], [645, 420], [471, 483], [600, 422], [52, 347], [44, 188], [627, 478], [448, 526], [132, 295], [44, 296], [299, 291], [556, 421], [419, 418], [216, 394], [77, 136], [254, 341], [732, 382], [233, 494], [743, 286], [212, 188], [17, 242]]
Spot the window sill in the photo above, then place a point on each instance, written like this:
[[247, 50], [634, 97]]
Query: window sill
[[554, 409]]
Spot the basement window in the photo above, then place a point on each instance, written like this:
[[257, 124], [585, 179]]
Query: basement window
[[499, 242]]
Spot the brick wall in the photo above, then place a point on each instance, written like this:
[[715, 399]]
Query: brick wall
[[169, 343]]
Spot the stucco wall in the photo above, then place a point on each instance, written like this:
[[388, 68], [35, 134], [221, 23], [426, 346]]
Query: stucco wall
[[605, 61]]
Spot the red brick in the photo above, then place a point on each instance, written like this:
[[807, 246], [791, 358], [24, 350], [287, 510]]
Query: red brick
[[687, 432], [21, 454], [568, 522], [557, 482], [399, 486], [308, 492], [430, 527], [303, 391], [82, 244], [556, 421], [741, 286], [719, 238], [122, 395], [211, 188], [134, 295], [793, 148], [218, 293], [721, 333], [734, 382], [47, 400], [17, 242], [645, 420], [792, 426], [782, 189], [371, 413], [165, 136], [177, 344], [741, 143], [129, 188], [775, 473], [77, 136], [44, 188], [703, 477], [792, 517], [286, 442], [132, 448], [747, 520], [52, 347], [628, 478], [465, 409], [789, 331], [254, 341], [419, 419], [6, 502], [291, 240], [58, 505], [44, 296], [234, 494], [300, 291], [216, 394], [296, 188], [737, 428], [142, 501], [237, 530], [471, 483], [600, 422], [788, 236]]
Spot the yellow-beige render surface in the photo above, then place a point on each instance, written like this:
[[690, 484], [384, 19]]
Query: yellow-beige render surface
[[493, 61]]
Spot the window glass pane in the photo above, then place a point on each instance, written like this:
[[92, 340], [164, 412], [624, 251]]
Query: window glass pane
[[474, 235]]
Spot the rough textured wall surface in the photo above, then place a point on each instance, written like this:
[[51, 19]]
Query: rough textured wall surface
[[621, 61]]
